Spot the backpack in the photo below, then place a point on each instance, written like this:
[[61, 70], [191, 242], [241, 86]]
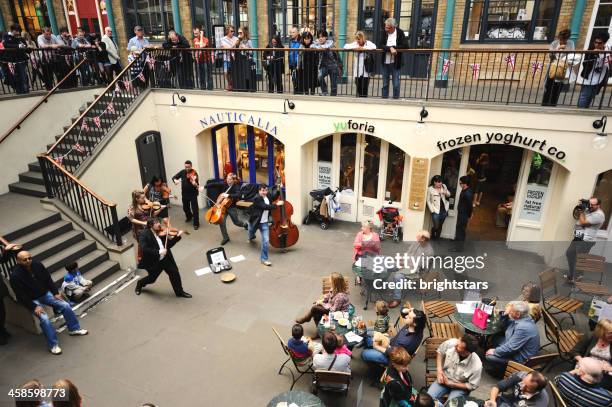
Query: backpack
[[368, 63]]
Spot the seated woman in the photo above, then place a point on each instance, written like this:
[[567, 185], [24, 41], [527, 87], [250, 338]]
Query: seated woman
[[336, 299], [366, 243], [398, 383], [598, 347], [504, 211], [409, 338]]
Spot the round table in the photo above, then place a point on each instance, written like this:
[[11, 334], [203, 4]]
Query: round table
[[368, 276], [339, 329], [494, 326], [301, 398], [461, 400]]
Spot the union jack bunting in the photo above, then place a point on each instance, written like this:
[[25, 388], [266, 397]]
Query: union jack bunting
[[79, 148], [11, 67], [535, 67], [511, 61], [97, 121], [111, 107], [475, 70], [446, 65]]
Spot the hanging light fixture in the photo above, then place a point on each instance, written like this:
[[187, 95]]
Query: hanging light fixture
[[285, 119], [420, 126], [173, 107], [600, 141]]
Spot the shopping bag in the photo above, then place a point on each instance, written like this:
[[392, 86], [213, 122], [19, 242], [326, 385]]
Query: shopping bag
[[480, 318]]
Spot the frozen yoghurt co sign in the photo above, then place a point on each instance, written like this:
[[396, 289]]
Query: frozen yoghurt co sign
[[534, 202], [515, 139], [215, 119], [324, 174]]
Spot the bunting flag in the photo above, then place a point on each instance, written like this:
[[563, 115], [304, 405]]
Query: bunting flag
[[535, 67], [446, 65], [11, 67], [151, 62], [511, 61], [117, 88], [34, 62], [79, 148], [127, 84], [111, 107], [67, 58], [97, 121], [59, 160], [167, 65], [475, 70], [141, 76], [84, 126]]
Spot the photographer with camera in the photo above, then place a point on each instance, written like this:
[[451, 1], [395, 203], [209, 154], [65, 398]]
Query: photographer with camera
[[589, 218], [594, 70]]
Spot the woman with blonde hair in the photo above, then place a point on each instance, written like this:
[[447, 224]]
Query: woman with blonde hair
[[336, 299], [598, 347], [363, 62], [71, 396]]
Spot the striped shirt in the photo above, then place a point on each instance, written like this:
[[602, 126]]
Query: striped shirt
[[578, 393]]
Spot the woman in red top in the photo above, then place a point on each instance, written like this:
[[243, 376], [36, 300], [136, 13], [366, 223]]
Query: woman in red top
[[367, 242]]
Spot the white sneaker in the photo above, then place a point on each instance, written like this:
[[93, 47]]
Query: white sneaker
[[56, 350], [78, 332], [266, 263]]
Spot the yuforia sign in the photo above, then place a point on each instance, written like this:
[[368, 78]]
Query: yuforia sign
[[363, 127], [239, 117], [514, 139]]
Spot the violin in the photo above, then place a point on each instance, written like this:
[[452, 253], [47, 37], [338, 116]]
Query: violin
[[166, 192], [283, 233], [170, 232], [151, 206]]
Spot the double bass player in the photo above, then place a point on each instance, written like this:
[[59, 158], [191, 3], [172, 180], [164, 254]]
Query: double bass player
[[260, 219], [232, 191]]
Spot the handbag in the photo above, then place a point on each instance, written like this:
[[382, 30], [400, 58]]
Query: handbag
[[557, 69], [480, 318]]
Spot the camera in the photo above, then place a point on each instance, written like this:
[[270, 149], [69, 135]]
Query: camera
[[583, 206]]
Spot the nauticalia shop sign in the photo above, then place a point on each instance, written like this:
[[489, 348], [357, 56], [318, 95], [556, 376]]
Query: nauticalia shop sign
[[515, 139], [249, 119]]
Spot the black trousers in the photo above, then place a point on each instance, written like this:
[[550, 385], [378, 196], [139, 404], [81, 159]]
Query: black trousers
[[169, 266], [577, 246], [232, 212], [191, 209], [275, 80], [362, 86], [460, 229], [552, 90], [2, 316]]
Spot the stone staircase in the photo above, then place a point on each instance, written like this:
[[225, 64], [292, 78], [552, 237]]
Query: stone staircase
[[31, 181]]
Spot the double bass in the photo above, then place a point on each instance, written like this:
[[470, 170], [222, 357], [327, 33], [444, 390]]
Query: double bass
[[216, 213], [283, 233]]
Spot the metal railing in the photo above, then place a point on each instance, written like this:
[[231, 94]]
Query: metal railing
[[7, 265], [90, 207], [28, 70], [503, 77]]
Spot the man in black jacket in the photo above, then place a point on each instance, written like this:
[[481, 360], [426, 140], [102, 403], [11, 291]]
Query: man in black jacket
[[393, 40], [190, 185], [595, 70], [181, 62], [259, 219], [232, 190], [34, 288], [17, 60], [157, 257], [464, 212]]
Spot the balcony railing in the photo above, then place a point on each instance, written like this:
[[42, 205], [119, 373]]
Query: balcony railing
[[503, 77], [29, 70]]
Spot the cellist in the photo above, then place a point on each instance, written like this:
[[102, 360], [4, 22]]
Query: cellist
[[231, 187]]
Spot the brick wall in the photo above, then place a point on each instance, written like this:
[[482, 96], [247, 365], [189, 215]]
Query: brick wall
[[262, 22], [186, 25], [6, 13], [60, 16], [120, 35]]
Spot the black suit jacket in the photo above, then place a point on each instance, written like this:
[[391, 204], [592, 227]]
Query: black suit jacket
[[257, 209], [464, 207], [402, 43], [150, 249]]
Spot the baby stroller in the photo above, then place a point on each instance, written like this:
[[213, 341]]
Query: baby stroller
[[314, 215], [391, 223]]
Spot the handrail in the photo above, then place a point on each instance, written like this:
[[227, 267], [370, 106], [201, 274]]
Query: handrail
[[91, 106], [40, 102], [378, 50], [76, 180]]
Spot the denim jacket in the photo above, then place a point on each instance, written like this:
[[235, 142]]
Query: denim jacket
[[522, 340]]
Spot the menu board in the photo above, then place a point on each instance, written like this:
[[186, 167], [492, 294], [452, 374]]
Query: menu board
[[418, 183]]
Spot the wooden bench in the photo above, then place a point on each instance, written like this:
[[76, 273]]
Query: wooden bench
[[444, 330]]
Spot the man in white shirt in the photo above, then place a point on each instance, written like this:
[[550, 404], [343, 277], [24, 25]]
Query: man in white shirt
[[138, 40], [585, 234], [393, 40], [260, 218], [48, 43], [113, 51]]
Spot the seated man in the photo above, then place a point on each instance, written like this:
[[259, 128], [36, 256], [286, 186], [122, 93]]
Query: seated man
[[582, 386], [75, 287], [521, 339], [459, 368], [328, 360], [526, 390], [419, 249], [34, 288]]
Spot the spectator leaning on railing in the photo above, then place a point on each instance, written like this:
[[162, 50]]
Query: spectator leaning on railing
[[329, 63], [204, 59], [393, 40], [558, 68], [363, 62], [113, 52], [48, 43], [17, 77], [595, 70], [294, 43]]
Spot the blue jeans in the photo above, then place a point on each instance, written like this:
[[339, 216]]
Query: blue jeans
[[587, 94], [332, 71], [390, 70], [437, 391], [373, 356], [265, 238], [64, 308]]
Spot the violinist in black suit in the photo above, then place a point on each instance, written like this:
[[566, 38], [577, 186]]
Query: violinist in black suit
[[232, 190], [157, 257]]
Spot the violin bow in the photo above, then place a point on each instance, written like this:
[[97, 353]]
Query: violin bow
[[167, 233]]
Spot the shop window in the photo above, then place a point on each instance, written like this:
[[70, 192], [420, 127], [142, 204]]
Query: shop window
[[603, 191], [325, 150], [510, 20], [371, 164], [602, 20], [219, 13], [451, 160], [155, 16], [279, 159], [537, 188], [262, 161], [368, 14], [348, 149], [224, 162], [31, 15], [310, 15], [395, 174], [242, 153]]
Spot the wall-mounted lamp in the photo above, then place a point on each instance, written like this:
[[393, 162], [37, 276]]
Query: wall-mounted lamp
[[288, 104], [600, 141], [173, 107], [420, 126]]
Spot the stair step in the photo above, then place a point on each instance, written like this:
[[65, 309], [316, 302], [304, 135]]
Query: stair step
[[33, 227], [87, 262], [102, 271], [43, 233], [57, 244], [32, 177], [27, 188], [70, 254], [35, 166]]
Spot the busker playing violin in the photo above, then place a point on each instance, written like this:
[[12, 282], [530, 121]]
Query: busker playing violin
[[139, 211], [260, 219], [232, 190], [157, 191], [157, 257], [190, 188]]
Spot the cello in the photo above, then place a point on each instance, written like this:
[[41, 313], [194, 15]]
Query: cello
[[283, 233], [216, 213]]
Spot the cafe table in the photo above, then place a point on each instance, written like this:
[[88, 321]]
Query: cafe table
[[298, 397], [368, 276], [463, 401], [494, 326]]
